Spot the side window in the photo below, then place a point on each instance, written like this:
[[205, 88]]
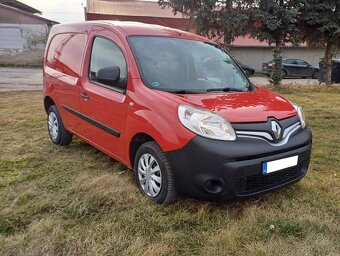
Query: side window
[[66, 52], [107, 64], [289, 61], [302, 63]]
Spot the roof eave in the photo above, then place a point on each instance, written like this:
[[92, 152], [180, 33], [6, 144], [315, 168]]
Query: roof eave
[[28, 14]]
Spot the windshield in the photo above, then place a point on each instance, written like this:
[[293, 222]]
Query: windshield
[[183, 65]]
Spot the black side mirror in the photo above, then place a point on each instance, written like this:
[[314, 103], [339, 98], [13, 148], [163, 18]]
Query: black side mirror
[[109, 75]]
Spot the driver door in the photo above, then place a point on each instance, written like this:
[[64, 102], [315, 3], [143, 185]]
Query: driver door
[[103, 106]]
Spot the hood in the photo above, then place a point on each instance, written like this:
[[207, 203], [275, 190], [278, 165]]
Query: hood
[[238, 107]]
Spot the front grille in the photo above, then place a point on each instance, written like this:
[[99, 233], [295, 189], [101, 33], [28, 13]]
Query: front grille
[[259, 182]]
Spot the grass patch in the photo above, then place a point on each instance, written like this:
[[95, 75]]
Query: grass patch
[[76, 200]]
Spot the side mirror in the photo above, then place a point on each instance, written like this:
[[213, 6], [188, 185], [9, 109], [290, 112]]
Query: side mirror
[[109, 75]]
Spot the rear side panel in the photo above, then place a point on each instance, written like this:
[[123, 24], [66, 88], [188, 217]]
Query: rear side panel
[[62, 72]]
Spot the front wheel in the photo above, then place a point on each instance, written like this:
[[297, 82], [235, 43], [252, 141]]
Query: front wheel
[[153, 174], [315, 75], [56, 129]]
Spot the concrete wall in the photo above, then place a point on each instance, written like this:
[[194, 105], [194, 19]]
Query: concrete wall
[[255, 56], [22, 44]]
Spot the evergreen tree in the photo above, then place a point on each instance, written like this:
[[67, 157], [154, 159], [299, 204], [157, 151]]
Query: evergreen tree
[[319, 22], [214, 18], [274, 21]]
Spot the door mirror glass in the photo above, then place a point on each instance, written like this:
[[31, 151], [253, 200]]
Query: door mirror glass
[[109, 75]]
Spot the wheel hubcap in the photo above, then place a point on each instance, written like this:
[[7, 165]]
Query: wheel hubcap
[[149, 175], [53, 126]]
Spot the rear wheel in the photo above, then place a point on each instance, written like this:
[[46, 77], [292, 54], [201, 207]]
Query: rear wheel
[[56, 129], [153, 174], [284, 74]]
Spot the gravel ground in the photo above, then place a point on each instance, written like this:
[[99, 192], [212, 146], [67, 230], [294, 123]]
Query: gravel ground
[[30, 79], [20, 79]]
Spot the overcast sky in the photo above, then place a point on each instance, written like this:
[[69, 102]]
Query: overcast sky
[[62, 11]]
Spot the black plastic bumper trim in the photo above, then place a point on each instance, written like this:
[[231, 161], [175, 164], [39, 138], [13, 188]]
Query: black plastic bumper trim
[[93, 121], [212, 170]]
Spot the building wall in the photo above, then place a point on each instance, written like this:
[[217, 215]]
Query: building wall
[[22, 44], [255, 56]]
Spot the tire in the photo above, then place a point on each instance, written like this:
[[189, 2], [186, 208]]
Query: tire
[[56, 129], [163, 189], [315, 75]]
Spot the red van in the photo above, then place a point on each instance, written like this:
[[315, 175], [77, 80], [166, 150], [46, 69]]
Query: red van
[[174, 107]]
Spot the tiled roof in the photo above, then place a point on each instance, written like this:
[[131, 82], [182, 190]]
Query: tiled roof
[[20, 6], [247, 41], [13, 9], [130, 8]]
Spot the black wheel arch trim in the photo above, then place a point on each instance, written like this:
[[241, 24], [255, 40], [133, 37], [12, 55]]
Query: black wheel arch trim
[[92, 121]]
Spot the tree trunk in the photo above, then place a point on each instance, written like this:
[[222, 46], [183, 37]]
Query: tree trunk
[[328, 62], [227, 28], [276, 76], [227, 40]]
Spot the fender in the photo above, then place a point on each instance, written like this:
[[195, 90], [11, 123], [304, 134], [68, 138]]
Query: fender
[[166, 134], [162, 125]]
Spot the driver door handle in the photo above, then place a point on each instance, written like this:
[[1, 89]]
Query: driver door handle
[[84, 96]]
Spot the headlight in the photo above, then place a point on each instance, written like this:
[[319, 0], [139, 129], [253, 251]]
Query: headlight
[[301, 115], [205, 123]]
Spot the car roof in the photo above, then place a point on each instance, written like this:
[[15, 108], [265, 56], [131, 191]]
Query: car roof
[[292, 59], [130, 28]]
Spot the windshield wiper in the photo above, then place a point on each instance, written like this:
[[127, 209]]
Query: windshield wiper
[[182, 91], [225, 89]]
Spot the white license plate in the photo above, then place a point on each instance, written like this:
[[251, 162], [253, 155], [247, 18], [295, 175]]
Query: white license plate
[[273, 166]]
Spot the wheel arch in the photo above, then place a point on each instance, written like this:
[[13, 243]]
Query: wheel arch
[[48, 102], [136, 141]]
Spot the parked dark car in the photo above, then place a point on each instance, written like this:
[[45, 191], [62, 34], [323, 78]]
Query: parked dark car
[[335, 75], [247, 69], [293, 68]]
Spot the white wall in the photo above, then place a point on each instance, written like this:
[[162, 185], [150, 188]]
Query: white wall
[[22, 44], [255, 56]]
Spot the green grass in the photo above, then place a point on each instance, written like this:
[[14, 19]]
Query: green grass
[[77, 201]]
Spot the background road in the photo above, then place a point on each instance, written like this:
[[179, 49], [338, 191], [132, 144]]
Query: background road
[[20, 79], [30, 79]]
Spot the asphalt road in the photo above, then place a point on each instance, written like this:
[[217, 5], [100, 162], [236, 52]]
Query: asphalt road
[[261, 80], [28, 79]]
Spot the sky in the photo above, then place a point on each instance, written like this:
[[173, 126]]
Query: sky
[[63, 11]]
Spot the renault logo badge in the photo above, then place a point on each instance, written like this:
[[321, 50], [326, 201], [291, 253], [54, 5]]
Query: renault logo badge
[[276, 129]]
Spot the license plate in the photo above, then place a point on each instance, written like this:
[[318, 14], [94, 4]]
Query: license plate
[[273, 166]]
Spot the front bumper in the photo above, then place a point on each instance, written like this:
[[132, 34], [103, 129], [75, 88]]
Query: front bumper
[[232, 170]]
